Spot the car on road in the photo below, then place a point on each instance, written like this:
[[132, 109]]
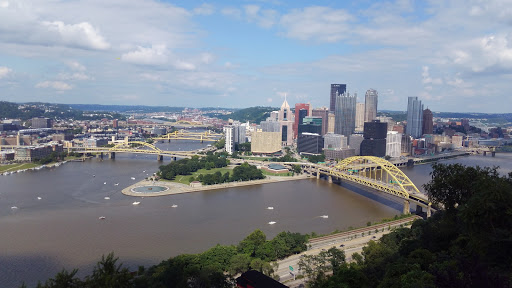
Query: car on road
[[342, 245]]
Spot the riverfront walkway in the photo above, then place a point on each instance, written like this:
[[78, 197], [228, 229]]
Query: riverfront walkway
[[178, 188]]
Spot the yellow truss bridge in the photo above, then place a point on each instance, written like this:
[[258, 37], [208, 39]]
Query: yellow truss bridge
[[376, 173], [137, 147], [187, 135]]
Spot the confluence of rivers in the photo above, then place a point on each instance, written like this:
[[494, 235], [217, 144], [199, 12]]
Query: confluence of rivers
[[62, 229]]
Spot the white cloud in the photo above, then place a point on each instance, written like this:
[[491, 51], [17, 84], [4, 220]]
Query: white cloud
[[429, 80], [231, 12], [154, 55], [488, 54], [265, 18], [4, 4], [204, 9], [183, 65], [74, 76], [4, 71], [317, 23], [57, 85], [82, 35], [75, 66]]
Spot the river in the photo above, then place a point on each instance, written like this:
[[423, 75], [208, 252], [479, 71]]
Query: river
[[62, 229]]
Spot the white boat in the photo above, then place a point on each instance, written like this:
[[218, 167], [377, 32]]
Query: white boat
[[272, 222], [107, 198], [101, 217], [174, 206], [325, 216], [104, 183], [116, 184], [14, 207], [270, 208], [144, 171], [136, 203], [39, 198], [133, 178]]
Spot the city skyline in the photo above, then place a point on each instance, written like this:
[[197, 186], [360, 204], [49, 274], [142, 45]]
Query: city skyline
[[454, 55]]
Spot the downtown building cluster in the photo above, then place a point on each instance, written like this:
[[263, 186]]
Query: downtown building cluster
[[346, 128]]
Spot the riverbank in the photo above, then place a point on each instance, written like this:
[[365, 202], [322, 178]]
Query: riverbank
[[177, 188], [18, 168]]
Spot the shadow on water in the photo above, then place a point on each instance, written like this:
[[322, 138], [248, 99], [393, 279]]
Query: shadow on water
[[384, 199], [40, 265]]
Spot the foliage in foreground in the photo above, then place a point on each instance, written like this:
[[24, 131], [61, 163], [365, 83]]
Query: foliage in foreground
[[214, 268], [469, 244]]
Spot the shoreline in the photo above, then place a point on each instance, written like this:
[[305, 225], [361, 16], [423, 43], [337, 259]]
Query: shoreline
[[177, 188]]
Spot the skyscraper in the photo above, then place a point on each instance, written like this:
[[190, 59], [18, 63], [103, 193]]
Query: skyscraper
[[298, 116], [359, 116], [428, 122], [336, 88], [324, 113], [345, 114], [370, 105], [414, 117]]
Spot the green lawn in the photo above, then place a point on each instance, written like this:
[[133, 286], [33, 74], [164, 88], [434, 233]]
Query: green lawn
[[183, 179], [274, 174], [14, 167]]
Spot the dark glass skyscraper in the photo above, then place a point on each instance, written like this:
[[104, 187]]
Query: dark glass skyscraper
[[340, 88], [345, 114]]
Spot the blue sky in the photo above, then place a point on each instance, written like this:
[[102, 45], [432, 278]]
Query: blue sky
[[454, 55]]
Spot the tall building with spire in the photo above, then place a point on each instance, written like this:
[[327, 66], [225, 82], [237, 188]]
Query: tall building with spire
[[339, 89], [345, 114], [428, 122], [286, 120], [370, 105], [414, 117]]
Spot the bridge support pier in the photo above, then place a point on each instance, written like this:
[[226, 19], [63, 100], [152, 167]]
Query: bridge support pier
[[318, 174], [485, 153], [493, 154], [99, 155], [159, 157], [407, 207], [112, 155], [174, 158], [429, 211], [330, 179]]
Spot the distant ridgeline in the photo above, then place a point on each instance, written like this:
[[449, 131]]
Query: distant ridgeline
[[494, 118], [251, 114], [125, 108], [27, 111]]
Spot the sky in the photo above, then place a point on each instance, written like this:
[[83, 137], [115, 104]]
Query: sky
[[455, 56]]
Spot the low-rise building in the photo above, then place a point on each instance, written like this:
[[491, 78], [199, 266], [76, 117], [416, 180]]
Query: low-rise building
[[265, 142]]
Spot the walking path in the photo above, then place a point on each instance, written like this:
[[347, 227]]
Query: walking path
[[178, 188]]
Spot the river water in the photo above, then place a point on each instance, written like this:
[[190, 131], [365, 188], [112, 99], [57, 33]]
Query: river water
[[62, 229]]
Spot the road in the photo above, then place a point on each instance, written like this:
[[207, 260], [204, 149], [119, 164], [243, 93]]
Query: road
[[344, 241]]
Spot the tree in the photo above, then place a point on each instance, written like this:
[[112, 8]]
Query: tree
[[297, 169], [252, 242], [239, 263], [108, 274], [63, 279]]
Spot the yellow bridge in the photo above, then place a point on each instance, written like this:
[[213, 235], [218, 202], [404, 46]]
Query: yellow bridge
[[376, 173], [186, 135], [137, 147]]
